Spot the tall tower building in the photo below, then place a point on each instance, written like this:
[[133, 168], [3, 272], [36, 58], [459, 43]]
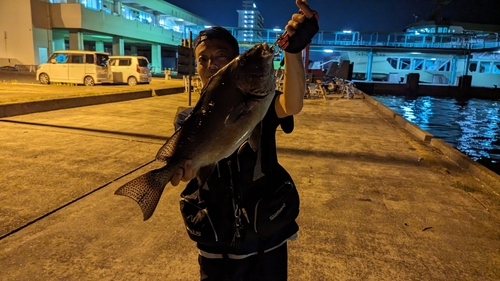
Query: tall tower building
[[249, 19]]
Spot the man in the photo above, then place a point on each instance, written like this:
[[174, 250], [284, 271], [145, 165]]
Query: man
[[234, 191]]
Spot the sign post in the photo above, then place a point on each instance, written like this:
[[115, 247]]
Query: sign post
[[185, 62]]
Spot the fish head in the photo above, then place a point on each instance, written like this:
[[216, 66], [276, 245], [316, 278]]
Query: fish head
[[253, 71]]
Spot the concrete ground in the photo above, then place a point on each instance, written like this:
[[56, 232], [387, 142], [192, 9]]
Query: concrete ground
[[380, 199]]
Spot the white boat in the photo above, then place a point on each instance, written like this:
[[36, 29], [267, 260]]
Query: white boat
[[432, 68], [440, 52]]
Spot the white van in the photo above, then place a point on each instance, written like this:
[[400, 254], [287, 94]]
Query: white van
[[79, 67], [130, 69]]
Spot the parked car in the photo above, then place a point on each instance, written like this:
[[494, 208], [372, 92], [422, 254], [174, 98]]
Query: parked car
[[131, 70], [78, 67]]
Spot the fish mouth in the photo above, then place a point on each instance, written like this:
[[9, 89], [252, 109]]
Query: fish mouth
[[263, 50], [267, 52]]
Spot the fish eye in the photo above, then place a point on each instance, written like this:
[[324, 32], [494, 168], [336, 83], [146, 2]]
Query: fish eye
[[242, 62]]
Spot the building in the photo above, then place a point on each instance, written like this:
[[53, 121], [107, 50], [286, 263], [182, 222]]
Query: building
[[33, 29], [249, 19]]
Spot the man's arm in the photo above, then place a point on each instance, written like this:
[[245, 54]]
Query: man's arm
[[294, 84], [291, 101]]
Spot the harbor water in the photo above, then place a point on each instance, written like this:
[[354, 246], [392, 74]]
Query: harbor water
[[469, 125]]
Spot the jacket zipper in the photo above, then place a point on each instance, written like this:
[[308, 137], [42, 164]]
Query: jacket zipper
[[212, 225], [208, 216]]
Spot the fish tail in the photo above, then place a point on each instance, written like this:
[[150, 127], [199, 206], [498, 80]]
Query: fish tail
[[146, 190]]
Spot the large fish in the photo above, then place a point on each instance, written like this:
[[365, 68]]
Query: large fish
[[228, 113]]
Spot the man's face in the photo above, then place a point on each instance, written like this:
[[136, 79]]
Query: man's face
[[211, 55]]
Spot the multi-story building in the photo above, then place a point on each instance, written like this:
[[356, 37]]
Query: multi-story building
[[33, 29], [249, 21]]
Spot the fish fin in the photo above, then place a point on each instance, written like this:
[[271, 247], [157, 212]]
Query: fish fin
[[254, 139], [146, 190], [167, 150], [204, 173]]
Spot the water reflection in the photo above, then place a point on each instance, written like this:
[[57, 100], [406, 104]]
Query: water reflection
[[471, 126]]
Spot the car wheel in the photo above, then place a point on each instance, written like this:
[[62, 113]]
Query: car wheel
[[44, 79], [132, 81], [88, 81]]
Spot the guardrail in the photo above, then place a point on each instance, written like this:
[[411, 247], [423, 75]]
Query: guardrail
[[20, 67], [374, 39]]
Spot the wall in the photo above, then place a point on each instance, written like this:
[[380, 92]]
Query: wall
[[41, 44], [16, 33], [66, 15]]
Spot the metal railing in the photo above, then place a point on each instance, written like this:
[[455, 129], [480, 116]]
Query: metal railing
[[374, 39], [20, 67]]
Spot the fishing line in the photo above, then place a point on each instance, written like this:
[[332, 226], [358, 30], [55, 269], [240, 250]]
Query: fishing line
[[74, 201]]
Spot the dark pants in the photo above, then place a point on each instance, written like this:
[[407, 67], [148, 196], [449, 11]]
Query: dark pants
[[270, 266]]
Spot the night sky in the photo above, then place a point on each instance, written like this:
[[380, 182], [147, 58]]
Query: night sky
[[358, 15]]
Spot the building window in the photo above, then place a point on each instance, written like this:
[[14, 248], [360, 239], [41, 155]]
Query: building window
[[92, 4], [134, 14]]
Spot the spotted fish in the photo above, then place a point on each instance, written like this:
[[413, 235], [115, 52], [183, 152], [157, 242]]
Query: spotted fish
[[228, 113]]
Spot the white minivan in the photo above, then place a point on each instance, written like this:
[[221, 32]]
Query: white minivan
[[78, 67], [130, 69]]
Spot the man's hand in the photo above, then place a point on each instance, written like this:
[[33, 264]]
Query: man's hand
[[297, 19], [186, 173], [300, 29]]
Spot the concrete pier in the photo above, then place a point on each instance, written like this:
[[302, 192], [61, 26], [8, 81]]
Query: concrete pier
[[380, 198]]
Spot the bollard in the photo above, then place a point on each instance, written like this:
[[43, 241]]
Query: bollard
[[412, 80], [464, 82], [464, 85]]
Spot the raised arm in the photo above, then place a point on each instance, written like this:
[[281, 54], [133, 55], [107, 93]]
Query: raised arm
[[291, 101], [300, 30]]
